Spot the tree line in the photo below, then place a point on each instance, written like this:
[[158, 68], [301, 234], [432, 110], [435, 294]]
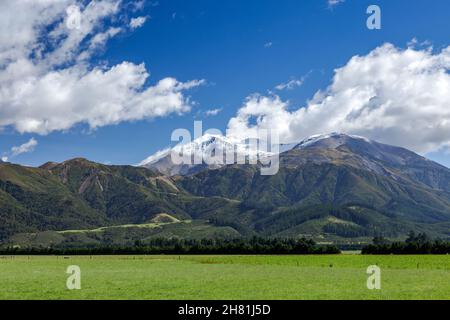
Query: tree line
[[415, 244], [253, 245]]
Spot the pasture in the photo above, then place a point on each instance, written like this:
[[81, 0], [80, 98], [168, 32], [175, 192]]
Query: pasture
[[225, 277]]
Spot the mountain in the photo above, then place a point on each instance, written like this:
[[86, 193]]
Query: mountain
[[395, 162], [33, 199], [79, 194], [370, 187], [207, 145], [332, 187]]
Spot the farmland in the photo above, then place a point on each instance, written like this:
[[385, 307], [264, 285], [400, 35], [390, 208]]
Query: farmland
[[225, 277]]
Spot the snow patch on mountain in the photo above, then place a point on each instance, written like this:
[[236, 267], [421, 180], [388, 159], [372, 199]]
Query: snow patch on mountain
[[314, 139], [207, 144]]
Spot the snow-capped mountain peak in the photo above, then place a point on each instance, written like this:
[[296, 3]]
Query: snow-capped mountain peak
[[333, 140], [198, 145], [207, 145]]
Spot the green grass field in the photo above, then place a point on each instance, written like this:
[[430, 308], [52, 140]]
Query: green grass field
[[225, 277]]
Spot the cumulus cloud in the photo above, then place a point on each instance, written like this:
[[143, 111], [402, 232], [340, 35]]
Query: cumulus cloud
[[137, 22], [24, 148], [396, 96], [4, 159], [48, 82]]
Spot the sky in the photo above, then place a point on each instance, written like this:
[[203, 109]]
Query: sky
[[110, 80]]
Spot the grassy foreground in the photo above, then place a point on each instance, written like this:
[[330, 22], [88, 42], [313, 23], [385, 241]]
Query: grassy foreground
[[225, 277]]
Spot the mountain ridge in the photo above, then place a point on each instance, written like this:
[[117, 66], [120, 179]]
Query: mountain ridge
[[335, 187], [207, 146]]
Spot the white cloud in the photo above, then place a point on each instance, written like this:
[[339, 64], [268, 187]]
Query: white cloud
[[291, 84], [60, 99], [396, 96], [140, 4], [414, 42], [267, 112], [24, 148], [20, 24], [47, 82], [5, 159], [213, 112], [268, 44], [334, 3], [137, 22]]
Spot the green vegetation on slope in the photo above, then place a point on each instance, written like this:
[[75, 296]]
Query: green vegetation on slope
[[80, 194], [121, 235], [325, 194]]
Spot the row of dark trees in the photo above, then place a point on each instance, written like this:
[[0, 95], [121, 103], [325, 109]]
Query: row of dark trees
[[414, 244], [188, 246]]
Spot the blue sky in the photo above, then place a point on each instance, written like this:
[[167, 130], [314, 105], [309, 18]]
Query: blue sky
[[239, 48]]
